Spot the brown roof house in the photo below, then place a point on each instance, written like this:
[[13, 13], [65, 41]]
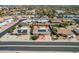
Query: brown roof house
[[56, 21], [63, 32]]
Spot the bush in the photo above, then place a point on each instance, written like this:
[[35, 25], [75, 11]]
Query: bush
[[55, 37], [19, 25], [9, 31], [34, 37], [54, 31], [13, 28]]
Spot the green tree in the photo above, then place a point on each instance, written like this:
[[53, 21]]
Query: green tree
[[9, 31], [14, 27], [19, 25], [34, 37], [54, 31]]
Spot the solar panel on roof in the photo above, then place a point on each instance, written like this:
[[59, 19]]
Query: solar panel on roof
[[24, 31], [41, 30], [19, 31]]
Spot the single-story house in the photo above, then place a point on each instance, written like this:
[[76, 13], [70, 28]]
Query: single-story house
[[6, 22], [41, 30], [34, 20], [57, 21], [60, 11], [63, 32], [3, 24], [76, 31], [71, 16], [10, 20], [30, 16], [29, 12], [27, 21], [22, 31]]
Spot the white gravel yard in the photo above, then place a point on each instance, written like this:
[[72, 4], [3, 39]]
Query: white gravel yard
[[27, 38], [8, 37]]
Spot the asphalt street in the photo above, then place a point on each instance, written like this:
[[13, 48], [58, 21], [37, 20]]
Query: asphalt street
[[39, 46], [40, 43], [73, 49]]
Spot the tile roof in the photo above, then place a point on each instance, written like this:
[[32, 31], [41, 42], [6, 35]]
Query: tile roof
[[63, 31]]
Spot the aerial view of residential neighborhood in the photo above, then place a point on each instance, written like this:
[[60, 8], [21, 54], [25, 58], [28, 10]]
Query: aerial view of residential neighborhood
[[39, 23]]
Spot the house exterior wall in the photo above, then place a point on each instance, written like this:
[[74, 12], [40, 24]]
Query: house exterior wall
[[36, 32]]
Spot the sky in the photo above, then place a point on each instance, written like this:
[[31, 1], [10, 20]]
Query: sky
[[39, 2]]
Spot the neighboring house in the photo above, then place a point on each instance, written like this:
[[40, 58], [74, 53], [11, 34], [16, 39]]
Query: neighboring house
[[9, 20], [36, 20], [57, 21], [6, 22], [26, 21], [69, 20], [76, 31], [41, 19], [71, 35], [3, 24], [22, 31], [41, 30], [60, 11], [71, 16], [63, 32], [30, 16], [66, 33], [30, 12]]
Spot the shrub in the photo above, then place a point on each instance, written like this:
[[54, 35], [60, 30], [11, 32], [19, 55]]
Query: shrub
[[9, 31], [13, 28], [54, 31], [34, 37]]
